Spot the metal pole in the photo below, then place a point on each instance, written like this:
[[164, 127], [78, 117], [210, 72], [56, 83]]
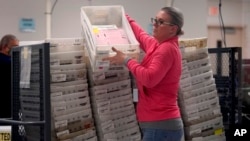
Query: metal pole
[[48, 19], [170, 2]]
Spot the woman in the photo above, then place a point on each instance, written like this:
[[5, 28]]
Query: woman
[[157, 76]]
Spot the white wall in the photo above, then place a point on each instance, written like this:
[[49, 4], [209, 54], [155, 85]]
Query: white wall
[[12, 10], [246, 21], [235, 13], [195, 15], [70, 21], [231, 12], [66, 16]]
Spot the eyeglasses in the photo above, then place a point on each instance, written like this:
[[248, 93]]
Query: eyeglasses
[[160, 22]]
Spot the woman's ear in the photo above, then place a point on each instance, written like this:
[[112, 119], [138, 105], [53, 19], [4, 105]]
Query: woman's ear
[[175, 28]]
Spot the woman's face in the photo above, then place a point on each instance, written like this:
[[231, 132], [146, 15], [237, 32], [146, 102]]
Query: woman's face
[[162, 27]]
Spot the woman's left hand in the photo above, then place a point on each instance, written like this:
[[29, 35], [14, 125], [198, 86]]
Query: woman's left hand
[[118, 59]]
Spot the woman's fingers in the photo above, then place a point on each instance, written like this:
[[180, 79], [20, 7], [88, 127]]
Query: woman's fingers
[[116, 50], [114, 59], [112, 62]]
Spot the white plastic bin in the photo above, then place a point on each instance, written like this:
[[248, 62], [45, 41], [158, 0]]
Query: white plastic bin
[[104, 27], [93, 18]]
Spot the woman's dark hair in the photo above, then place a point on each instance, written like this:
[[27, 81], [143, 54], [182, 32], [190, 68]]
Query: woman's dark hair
[[176, 18]]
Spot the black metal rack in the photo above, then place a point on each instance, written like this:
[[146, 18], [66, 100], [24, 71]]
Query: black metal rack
[[226, 65], [36, 98], [245, 91]]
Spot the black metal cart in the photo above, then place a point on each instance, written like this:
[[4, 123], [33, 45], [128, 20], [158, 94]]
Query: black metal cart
[[226, 65], [31, 112]]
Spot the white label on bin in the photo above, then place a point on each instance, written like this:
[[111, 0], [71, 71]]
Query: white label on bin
[[99, 76], [102, 53], [197, 139], [62, 123], [55, 62], [56, 70], [193, 118], [61, 108], [195, 131], [58, 77], [189, 112], [103, 110], [56, 94], [102, 63], [107, 126], [58, 134], [100, 92], [103, 104]]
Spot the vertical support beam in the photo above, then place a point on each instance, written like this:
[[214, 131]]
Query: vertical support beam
[[48, 19], [90, 2], [232, 86], [46, 92], [239, 84], [219, 59], [169, 2]]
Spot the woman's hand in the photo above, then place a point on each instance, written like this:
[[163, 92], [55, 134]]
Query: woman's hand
[[118, 59]]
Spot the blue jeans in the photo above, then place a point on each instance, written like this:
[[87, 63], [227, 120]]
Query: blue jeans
[[149, 134]]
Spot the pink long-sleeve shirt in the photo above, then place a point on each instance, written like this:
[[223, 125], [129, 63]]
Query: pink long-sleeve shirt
[[157, 76]]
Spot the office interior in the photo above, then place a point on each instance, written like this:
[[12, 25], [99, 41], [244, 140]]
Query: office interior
[[224, 24]]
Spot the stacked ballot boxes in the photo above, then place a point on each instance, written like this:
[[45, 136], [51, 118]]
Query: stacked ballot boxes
[[114, 110], [71, 113], [105, 27], [112, 105], [66, 44], [198, 99]]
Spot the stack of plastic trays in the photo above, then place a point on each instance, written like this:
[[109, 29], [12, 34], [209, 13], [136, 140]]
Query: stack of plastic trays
[[70, 102], [112, 105], [100, 78], [114, 111], [198, 98], [105, 27]]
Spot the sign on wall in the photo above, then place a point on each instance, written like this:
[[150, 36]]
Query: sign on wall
[[27, 25]]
